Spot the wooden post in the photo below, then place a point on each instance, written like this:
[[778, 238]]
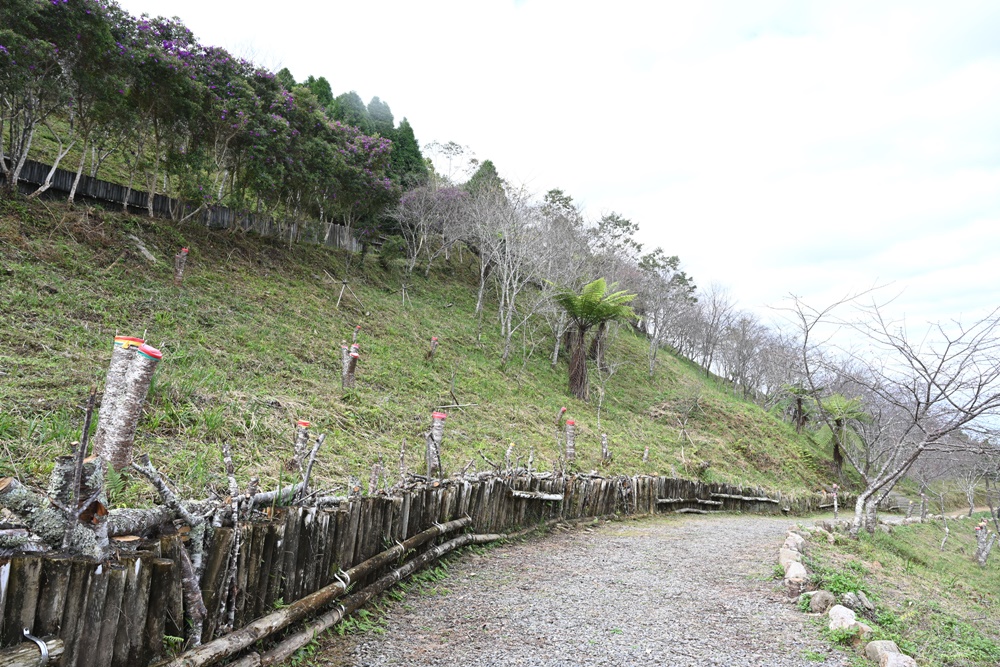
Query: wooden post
[[160, 592], [132, 620], [559, 418]]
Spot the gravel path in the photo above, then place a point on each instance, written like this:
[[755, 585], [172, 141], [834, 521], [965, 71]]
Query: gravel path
[[664, 591]]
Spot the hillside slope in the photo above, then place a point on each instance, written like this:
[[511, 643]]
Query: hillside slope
[[251, 343]]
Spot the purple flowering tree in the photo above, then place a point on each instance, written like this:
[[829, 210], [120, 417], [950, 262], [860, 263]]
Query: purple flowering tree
[[31, 84]]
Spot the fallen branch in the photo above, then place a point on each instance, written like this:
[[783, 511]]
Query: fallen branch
[[278, 496]]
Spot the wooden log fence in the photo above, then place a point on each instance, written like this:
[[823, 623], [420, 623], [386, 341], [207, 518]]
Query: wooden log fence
[[214, 217], [119, 612]]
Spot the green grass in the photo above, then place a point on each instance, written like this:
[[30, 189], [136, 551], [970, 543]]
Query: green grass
[[938, 606], [251, 343]]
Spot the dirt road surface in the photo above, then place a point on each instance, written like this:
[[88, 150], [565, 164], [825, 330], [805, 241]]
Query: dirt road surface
[[662, 591]]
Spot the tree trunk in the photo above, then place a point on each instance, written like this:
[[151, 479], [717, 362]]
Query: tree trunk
[[76, 178], [859, 508], [557, 332], [578, 365], [129, 376], [596, 351]]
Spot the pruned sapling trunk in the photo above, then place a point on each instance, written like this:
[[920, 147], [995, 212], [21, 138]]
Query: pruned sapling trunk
[[301, 446], [985, 539], [434, 439], [570, 440], [352, 366], [129, 376]]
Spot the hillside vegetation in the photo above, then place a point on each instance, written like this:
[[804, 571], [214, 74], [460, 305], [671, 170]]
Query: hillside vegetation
[[936, 603], [251, 344]]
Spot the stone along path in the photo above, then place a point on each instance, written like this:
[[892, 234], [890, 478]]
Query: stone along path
[[663, 591]]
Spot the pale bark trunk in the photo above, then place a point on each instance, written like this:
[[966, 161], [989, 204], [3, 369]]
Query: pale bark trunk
[[52, 170], [180, 259], [114, 442], [79, 174], [300, 448], [434, 439]]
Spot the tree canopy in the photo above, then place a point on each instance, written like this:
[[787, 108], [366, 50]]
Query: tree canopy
[[190, 120]]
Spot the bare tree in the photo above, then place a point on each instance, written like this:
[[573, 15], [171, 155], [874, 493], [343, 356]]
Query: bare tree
[[503, 226], [716, 309], [427, 217], [930, 388], [741, 353], [563, 261], [664, 291]]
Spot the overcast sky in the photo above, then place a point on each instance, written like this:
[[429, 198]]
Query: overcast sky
[[776, 147]]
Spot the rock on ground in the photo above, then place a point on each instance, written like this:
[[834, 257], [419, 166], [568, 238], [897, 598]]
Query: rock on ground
[[821, 601], [664, 591], [875, 650]]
